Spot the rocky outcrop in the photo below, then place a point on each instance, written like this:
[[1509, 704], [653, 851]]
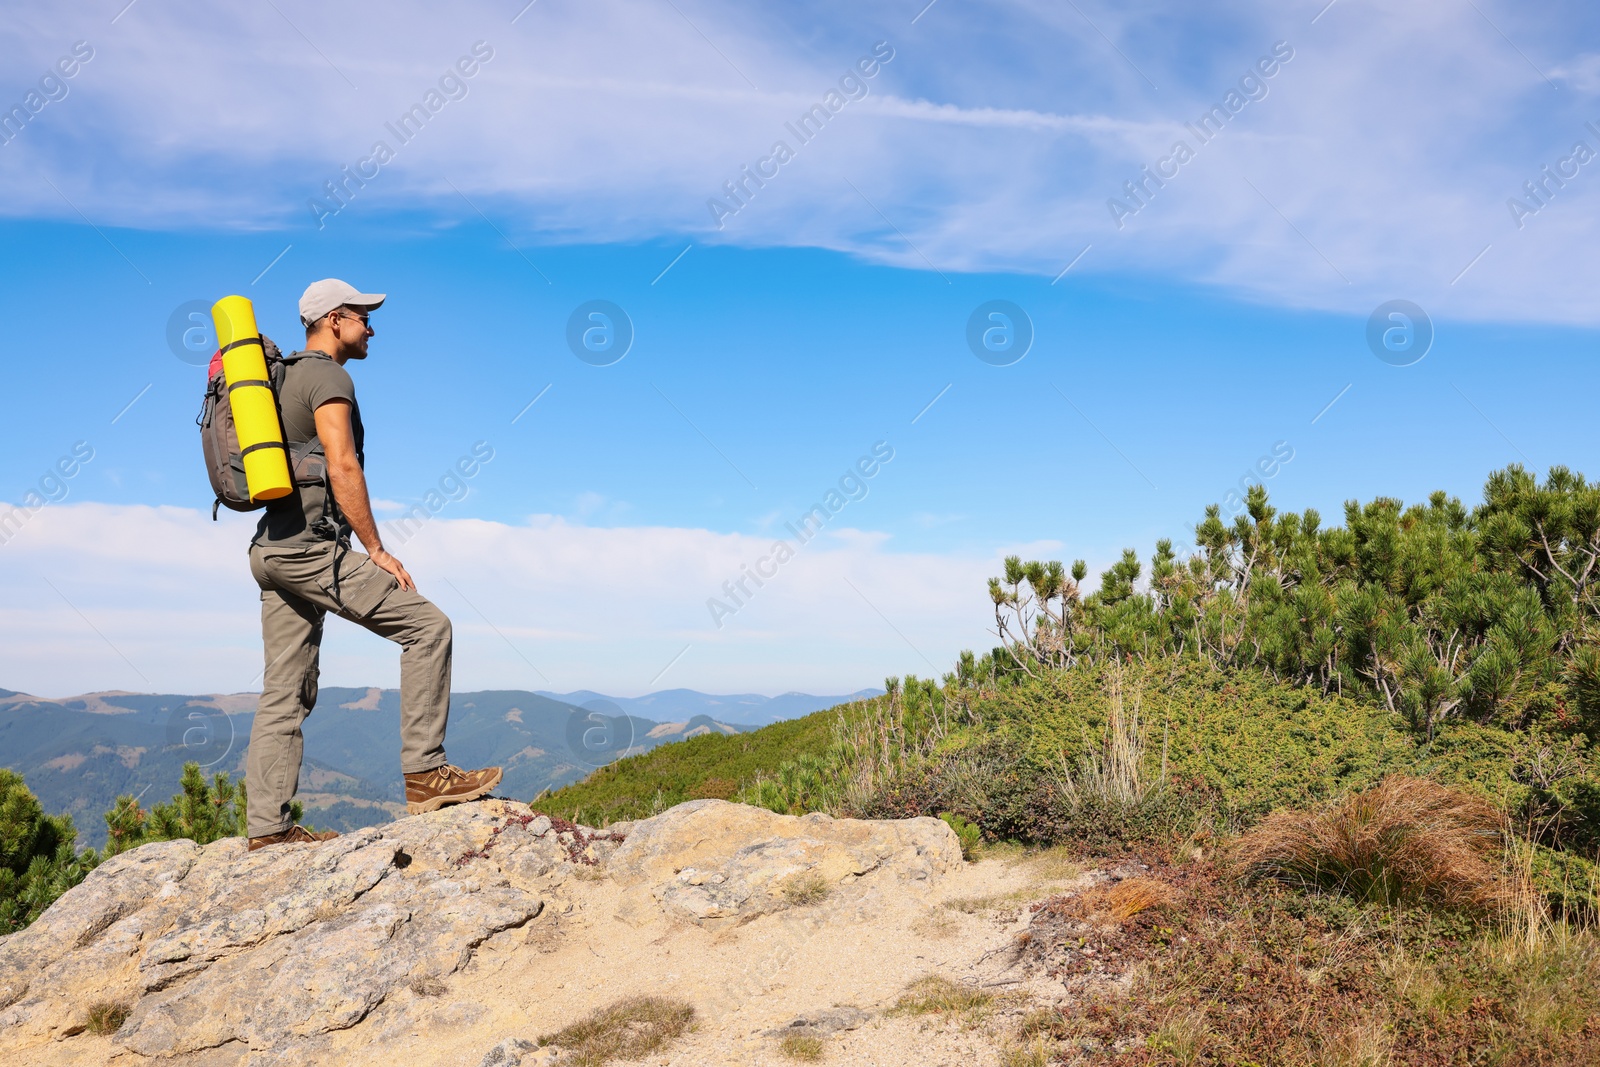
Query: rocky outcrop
[[225, 956], [217, 946], [715, 864]]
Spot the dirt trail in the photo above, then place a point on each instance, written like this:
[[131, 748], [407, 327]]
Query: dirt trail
[[758, 977]]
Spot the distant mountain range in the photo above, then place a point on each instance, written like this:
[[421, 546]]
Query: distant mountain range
[[746, 709], [79, 753]]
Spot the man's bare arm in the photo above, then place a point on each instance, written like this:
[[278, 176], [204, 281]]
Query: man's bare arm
[[350, 485]]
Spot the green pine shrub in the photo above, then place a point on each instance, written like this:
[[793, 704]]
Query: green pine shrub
[[38, 855], [200, 811]]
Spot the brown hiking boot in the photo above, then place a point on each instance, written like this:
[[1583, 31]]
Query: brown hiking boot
[[432, 790], [294, 835]]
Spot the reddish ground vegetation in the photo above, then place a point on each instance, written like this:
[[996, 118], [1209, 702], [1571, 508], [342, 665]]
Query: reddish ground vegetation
[[1224, 973], [574, 839]]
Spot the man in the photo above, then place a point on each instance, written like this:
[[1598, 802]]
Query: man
[[302, 560]]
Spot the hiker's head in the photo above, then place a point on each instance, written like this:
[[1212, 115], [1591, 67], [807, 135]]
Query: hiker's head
[[334, 314]]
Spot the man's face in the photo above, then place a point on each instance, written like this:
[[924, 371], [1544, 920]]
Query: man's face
[[351, 327]]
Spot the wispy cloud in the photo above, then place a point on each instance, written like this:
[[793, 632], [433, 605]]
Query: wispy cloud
[[615, 121], [1582, 72]]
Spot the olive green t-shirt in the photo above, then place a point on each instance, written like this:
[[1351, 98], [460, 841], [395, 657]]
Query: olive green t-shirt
[[309, 381]]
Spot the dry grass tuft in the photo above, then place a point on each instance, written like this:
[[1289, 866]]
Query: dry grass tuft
[[1134, 895], [1054, 864], [1365, 1044], [629, 1029], [996, 905], [936, 925], [106, 1017], [1043, 1022], [1183, 1037], [936, 994], [1035, 1053], [1120, 901], [1113, 775], [1405, 840], [974, 905], [806, 888], [426, 986], [801, 1047]]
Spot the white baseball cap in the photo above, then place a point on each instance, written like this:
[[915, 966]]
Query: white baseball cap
[[322, 297]]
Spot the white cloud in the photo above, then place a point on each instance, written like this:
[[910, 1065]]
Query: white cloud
[[106, 596], [992, 140], [1581, 72]]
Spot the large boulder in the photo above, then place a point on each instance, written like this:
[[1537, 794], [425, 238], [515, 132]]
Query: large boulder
[[717, 864], [219, 947]]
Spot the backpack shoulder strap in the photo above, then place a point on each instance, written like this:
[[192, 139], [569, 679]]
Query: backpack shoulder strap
[[310, 353]]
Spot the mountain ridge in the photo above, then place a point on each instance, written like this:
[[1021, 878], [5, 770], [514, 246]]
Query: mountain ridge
[[79, 753], [751, 709], [754, 709]]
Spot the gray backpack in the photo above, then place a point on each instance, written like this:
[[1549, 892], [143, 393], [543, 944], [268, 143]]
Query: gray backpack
[[219, 440]]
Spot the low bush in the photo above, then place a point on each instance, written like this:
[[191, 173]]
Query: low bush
[[201, 811], [967, 833], [714, 788], [1112, 757]]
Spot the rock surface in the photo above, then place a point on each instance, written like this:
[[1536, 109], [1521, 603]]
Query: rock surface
[[823, 1023], [463, 935], [716, 864], [218, 946]]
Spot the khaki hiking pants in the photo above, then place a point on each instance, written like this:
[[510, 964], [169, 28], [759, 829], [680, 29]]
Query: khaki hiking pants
[[296, 594]]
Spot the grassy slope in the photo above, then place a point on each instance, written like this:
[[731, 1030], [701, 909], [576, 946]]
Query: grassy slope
[[1252, 745], [710, 765]]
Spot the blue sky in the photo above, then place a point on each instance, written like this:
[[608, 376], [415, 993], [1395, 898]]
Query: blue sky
[[1217, 323]]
